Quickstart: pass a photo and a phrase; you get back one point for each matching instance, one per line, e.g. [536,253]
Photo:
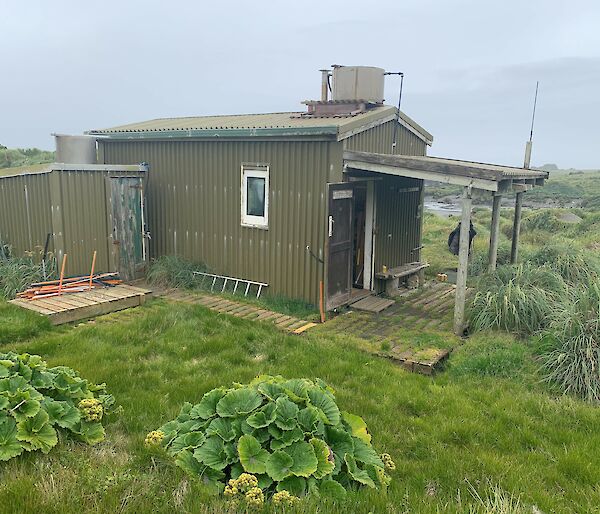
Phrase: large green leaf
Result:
[308,418]
[358,426]
[91,432]
[212,453]
[221,427]
[25,409]
[341,443]
[286,413]
[305,460]
[279,465]
[9,445]
[293,485]
[3,403]
[186,441]
[186,461]
[366,454]
[61,413]
[359,475]
[325,459]
[252,456]
[263,417]
[36,433]
[286,438]
[332,489]
[296,389]
[207,408]
[238,401]
[271,390]
[326,404]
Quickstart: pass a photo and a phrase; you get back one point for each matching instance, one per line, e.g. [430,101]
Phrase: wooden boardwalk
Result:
[238,309]
[85,304]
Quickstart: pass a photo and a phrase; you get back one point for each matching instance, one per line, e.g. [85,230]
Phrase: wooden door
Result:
[340,244]
[129,255]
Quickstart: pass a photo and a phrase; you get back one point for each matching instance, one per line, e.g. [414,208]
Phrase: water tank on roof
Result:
[75,149]
[358,83]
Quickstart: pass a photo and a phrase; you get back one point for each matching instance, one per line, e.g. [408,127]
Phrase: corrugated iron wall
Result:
[193,206]
[71,205]
[379,140]
[398,220]
[25,217]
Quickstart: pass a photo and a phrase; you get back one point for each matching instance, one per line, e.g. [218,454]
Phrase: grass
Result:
[18,324]
[463,441]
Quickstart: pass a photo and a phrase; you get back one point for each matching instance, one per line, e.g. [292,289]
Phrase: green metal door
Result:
[128,226]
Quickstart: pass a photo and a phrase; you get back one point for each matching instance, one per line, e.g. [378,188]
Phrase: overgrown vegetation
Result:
[273,438]
[36,400]
[17,273]
[492,428]
[13,157]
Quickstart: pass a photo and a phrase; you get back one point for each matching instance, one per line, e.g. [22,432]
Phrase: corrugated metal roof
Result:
[25,170]
[281,123]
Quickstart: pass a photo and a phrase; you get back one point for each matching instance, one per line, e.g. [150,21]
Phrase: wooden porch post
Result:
[463,264]
[514,252]
[494,230]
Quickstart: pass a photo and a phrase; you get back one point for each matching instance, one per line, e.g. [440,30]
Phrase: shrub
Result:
[572,359]
[270,436]
[479,263]
[174,271]
[541,219]
[573,264]
[36,400]
[516,298]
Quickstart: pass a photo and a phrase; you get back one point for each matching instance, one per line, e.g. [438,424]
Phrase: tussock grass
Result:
[572,360]
[174,271]
[517,299]
[570,262]
[17,273]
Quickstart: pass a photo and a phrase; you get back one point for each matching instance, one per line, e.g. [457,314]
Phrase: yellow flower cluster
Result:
[255,498]
[285,499]
[387,460]
[91,408]
[154,438]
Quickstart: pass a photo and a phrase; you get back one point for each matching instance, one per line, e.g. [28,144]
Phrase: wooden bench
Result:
[393,276]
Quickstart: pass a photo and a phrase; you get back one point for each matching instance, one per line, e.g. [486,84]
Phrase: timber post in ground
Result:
[514,252]
[494,230]
[463,264]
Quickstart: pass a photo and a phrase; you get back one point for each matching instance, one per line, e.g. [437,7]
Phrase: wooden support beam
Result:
[494,233]
[514,252]
[463,264]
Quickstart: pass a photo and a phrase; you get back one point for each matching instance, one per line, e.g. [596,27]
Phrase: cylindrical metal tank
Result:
[75,149]
[358,83]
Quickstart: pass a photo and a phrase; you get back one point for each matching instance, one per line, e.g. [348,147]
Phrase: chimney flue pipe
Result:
[324,85]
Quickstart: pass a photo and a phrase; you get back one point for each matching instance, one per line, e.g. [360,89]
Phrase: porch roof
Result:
[489,177]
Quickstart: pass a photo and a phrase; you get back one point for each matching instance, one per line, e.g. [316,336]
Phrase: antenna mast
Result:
[527,160]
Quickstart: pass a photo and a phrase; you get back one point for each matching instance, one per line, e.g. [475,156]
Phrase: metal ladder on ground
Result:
[234,280]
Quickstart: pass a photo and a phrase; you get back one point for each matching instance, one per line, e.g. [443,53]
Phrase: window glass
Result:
[256,196]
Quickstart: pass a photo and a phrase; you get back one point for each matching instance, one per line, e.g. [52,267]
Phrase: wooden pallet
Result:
[372,304]
[86,304]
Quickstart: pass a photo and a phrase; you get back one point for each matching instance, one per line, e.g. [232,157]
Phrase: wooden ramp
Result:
[86,304]
[372,304]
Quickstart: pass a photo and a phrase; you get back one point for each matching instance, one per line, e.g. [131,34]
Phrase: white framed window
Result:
[255,195]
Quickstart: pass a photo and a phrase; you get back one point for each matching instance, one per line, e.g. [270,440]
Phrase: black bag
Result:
[454,239]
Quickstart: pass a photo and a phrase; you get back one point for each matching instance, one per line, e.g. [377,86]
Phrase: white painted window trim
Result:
[254,171]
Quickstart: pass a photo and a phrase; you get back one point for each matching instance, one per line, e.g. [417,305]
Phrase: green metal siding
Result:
[193,205]
[398,219]
[25,212]
[71,205]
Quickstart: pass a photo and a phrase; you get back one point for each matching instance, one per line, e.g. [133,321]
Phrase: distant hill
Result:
[13,157]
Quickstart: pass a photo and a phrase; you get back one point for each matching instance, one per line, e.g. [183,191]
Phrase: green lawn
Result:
[484,428]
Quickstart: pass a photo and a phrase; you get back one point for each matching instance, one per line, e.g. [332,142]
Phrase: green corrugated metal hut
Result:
[206,196]
[78,209]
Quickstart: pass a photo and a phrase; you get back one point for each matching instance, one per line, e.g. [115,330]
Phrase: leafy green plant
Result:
[36,400]
[516,298]
[270,436]
[572,357]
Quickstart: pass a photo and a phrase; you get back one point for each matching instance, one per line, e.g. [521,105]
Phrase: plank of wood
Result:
[94,310]
[32,306]
[297,324]
[286,322]
[372,304]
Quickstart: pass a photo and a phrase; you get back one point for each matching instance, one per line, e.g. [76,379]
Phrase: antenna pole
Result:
[527,160]
[399,103]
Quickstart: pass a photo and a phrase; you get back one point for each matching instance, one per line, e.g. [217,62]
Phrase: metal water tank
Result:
[75,149]
[358,83]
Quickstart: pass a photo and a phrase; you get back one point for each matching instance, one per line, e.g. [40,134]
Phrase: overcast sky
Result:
[470,66]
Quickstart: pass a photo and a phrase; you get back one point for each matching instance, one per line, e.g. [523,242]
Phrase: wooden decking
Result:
[238,309]
[86,304]
[372,304]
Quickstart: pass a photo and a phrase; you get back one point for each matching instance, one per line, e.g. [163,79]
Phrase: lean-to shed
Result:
[77,209]
[266,197]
